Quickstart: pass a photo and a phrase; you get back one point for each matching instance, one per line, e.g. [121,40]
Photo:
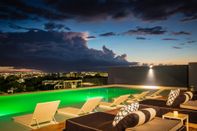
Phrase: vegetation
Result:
[11,84]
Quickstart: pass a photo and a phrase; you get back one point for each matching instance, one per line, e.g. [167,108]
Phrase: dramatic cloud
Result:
[140,38]
[20,10]
[169,39]
[157,30]
[55,51]
[162,9]
[181,33]
[98,9]
[108,34]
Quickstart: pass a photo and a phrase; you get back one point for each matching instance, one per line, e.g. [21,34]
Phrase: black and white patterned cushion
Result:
[172,96]
[143,116]
[179,100]
[188,96]
[136,118]
[124,111]
[182,98]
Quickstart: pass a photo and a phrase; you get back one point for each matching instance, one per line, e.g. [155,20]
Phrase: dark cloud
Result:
[54,26]
[121,15]
[181,33]
[162,9]
[20,10]
[190,18]
[191,41]
[140,38]
[188,42]
[176,47]
[91,37]
[55,51]
[108,34]
[67,28]
[169,39]
[91,10]
[13,26]
[98,9]
[17,27]
[157,30]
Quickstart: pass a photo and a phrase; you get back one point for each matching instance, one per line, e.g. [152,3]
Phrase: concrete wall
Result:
[193,75]
[158,75]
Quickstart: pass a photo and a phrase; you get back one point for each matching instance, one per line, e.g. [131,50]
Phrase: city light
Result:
[151,66]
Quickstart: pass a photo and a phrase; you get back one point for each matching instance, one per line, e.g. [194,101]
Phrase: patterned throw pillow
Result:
[143,116]
[172,96]
[188,96]
[124,111]
[136,118]
[179,100]
[182,98]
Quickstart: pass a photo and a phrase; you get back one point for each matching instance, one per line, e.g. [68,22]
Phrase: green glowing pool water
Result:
[25,103]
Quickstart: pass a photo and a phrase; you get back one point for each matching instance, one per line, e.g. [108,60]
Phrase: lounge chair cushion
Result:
[189,94]
[163,108]
[179,100]
[136,118]
[158,124]
[182,98]
[190,105]
[98,121]
[124,111]
[172,96]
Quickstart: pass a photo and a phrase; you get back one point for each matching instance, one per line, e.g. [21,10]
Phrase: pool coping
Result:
[103,86]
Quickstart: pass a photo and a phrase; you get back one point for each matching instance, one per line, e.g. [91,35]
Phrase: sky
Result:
[85,35]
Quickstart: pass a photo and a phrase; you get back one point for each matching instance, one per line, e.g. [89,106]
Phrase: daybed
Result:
[101,121]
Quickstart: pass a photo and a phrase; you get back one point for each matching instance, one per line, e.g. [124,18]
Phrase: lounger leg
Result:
[187,124]
[96,109]
[38,126]
[54,120]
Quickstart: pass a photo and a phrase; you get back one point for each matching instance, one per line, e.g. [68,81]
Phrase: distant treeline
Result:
[14,84]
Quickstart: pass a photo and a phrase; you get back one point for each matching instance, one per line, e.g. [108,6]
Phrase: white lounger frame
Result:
[42,115]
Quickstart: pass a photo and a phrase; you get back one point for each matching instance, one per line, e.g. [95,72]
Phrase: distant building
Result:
[62,84]
[20,80]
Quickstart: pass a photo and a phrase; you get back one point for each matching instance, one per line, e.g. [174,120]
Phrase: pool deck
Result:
[61,119]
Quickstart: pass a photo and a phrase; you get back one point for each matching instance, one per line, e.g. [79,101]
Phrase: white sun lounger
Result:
[155,95]
[88,107]
[137,97]
[43,115]
[113,105]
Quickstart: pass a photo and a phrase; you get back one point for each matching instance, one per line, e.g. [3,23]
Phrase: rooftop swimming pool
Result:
[18,104]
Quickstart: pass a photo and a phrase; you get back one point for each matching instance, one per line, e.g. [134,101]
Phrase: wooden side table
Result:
[180,116]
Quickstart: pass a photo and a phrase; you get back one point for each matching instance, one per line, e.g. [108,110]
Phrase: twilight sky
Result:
[80,35]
